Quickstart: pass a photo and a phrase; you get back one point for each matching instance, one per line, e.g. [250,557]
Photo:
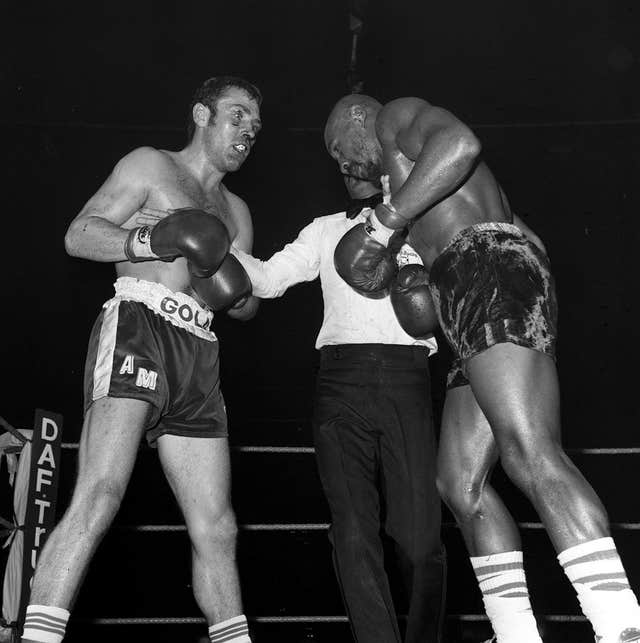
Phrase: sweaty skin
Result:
[409,131]
[450,188]
[440,185]
[148,184]
[145,186]
[414,133]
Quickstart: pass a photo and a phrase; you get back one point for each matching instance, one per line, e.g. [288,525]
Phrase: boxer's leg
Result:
[517,389]
[466,457]
[198,470]
[109,443]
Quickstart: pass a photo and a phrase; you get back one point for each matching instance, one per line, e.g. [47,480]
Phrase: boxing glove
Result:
[190,233]
[364,263]
[411,301]
[229,287]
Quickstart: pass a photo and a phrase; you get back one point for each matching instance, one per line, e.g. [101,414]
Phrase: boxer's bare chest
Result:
[424,231]
[179,189]
[171,189]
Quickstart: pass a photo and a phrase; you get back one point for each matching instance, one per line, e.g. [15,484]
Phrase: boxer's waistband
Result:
[176,307]
[479,228]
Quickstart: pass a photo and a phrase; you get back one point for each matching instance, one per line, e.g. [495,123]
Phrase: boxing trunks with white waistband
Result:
[152,344]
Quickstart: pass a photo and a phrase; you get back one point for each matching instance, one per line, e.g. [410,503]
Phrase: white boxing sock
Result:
[233,630]
[506,597]
[596,573]
[45,623]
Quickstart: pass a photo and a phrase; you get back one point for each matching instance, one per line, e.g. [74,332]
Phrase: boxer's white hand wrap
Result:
[377,230]
[137,247]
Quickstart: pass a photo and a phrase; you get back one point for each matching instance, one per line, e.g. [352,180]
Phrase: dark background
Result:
[552,92]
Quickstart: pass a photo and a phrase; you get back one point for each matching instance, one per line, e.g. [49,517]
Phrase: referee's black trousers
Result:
[376,455]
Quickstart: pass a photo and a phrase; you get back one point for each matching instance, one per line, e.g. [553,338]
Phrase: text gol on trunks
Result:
[185,312]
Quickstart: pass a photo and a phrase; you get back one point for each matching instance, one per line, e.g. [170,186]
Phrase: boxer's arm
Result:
[244,240]
[96,232]
[298,261]
[444,151]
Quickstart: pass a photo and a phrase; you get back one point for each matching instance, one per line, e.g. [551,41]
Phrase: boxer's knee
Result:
[94,506]
[216,528]
[532,464]
[461,492]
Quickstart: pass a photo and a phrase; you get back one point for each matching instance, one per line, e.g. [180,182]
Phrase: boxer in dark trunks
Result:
[167,221]
[495,301]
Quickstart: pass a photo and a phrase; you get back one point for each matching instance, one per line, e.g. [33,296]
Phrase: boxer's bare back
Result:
[401,126]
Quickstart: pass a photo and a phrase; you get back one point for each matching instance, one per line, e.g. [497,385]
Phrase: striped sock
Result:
[45,623]
[233,630]
[596,573]
[506,597]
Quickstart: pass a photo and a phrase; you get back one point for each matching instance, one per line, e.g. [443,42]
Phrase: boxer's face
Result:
[359,189]
[355,149]
[230,135]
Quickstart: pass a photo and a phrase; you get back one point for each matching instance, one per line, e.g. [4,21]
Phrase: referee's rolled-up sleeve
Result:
[298,261]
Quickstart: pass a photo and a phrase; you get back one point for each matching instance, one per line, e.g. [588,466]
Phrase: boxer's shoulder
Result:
[145,162]
[397,115]
[147,154]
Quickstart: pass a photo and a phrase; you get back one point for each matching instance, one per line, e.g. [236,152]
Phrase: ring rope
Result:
[631,526]
[274,449]
[195,620]
[618,526]
[556,618]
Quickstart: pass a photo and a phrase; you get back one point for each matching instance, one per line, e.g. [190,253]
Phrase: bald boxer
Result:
[495,299]
[166,221]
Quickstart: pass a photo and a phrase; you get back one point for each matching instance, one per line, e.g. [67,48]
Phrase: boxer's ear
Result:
[358,114]
[201,114]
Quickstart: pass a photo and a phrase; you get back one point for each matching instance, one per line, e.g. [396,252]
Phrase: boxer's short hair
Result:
[210,92]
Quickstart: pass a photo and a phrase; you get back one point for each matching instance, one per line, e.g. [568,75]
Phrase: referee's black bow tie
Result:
[355,206]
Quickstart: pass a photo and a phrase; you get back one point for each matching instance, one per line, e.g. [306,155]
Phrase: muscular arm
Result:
[244,241]
[444,151]
[96,232]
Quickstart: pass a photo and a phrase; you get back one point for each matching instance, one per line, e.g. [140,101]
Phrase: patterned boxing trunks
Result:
[150,343]
[491,285]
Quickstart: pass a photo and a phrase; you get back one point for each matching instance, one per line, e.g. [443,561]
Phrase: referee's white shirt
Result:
[349,318]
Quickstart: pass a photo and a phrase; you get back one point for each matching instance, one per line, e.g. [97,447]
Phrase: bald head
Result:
[350,137]
[357,108]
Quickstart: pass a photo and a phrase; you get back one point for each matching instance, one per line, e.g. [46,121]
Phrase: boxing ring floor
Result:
[138,586]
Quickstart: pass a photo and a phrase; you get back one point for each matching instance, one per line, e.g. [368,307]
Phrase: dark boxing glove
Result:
[190,233]
[227,288]
[364,263]
[411,301]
